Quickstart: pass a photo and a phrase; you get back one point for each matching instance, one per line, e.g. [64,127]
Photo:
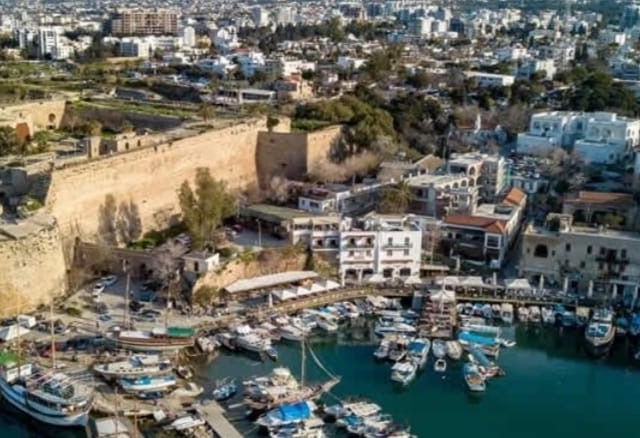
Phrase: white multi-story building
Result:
[260,16]
[491,79]
[250,63]
[284,15]
[386,248]
[511,53]
[489,172]
[220,65]
[599,137]
[189,36]
[50,43]
[281,67]
[531,66]
[346,200]
[439,195]
[134,47]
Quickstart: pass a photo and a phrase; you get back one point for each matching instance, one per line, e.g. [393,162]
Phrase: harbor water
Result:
[551,389]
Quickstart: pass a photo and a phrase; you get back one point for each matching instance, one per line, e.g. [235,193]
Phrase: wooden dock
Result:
[213,414]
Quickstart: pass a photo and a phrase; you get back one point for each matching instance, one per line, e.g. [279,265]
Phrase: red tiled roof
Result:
[514,197]
[489,224]
[600,197]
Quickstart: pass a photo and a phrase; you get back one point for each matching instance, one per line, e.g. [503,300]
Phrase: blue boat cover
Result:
[295,412]
[480,357]
[416,347]
[476,339]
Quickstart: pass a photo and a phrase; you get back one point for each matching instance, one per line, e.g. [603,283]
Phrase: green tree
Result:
[94,128]
[396,199]
[41,141]
[272,122]
[9,141]
[204,207]
[206,112]
[335,30]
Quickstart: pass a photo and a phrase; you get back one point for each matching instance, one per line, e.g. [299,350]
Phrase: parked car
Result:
[102,308]
[97,289]
[151,312]
[109,280]
[135,306]
[105,317]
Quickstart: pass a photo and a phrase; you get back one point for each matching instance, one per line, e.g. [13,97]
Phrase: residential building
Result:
[384,249]
[189,36]
[596,207]
[260,16]
[284,15]
[489,172]
[599,137]
[491,79]
[530,66]
[511,53]
[134,47]
[346,200]
[50,43]
[232,96]
[199,263]
[561,251]
[281,67]
[487,235]
[293,88]
[320,233]
[145,22]
[442,194]
[250,63]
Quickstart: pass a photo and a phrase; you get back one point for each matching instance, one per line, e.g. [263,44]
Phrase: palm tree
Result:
[396,200]
[206,112]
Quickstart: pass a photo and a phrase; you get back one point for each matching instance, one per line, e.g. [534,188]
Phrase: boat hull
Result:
[599,347]
[61,420]
[150,347]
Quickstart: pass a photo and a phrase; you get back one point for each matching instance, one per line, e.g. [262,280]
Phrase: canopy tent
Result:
[283,295]
[12,332]
[331,285]
[317,287]
[472,281]
[374,278]
[517,284]
[301,291]
[412,280]
[449,280]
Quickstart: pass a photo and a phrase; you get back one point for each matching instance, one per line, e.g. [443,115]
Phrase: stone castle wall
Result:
[37,115]
[150,177]
[33,268]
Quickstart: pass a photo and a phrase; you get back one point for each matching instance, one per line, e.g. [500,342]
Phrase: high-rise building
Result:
[189,36]
[284,15]
[260,16]
[134,22]
[50,43]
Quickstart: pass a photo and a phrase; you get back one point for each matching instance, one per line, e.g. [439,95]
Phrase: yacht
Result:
[600,332]
[205,344]
[418,351]
[291,333]
[359,409]
[185,423]
[496,312]
[252,342]
[147,383]
[326,323]
[548,315]
[48,396]
[439,348]
[403,372]
[135,366]
[523,314]
[397,327]
[157,339]
[473,378]
[535,315]
[382,351]
[506,313]
[454,350]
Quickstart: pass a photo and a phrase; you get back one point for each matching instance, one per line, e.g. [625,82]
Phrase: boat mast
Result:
[302,362]
[125,318]
[53,335]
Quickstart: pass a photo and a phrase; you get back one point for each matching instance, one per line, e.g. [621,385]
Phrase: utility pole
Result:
[53,336]
[125,317]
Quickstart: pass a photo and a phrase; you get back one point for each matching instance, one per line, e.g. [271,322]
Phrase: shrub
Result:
[73,311]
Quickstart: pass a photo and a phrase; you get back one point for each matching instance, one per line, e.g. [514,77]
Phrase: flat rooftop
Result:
[427,180]
[270,280]
[273,213]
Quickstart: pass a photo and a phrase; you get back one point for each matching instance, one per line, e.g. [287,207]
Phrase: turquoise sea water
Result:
[552,389]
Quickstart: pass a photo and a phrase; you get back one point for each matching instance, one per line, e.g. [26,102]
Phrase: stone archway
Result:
[23,132]
[52,121]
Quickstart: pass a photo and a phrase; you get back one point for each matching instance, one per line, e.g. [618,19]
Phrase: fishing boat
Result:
[439,348]
[291,333]
[157,339]
[478,309]
[418,351]
[227,340]
[496,312]
[568,319]
[535,315]
[454,350]
[506,313]
[189,390]
[47,396]
[134,366]
[185,423]
[397,327]
[382,351]
[440,366]
[310,428]
[398,348]
[487,311]
[523,314]
[287,414]
[148,383]
[225,390]
[489,345]
[487,367]
[252,342]
[184,372]
[359,409]
[548,316]
[473,378]
[326,323]
[600,332]
[205,344]
[403,372]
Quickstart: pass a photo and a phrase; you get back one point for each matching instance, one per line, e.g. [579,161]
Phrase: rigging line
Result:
[317,361]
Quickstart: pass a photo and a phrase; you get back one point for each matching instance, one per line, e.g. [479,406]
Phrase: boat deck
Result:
[212,413]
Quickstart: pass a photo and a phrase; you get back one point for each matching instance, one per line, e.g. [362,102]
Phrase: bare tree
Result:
[356,165]
[107,221]
[128,223]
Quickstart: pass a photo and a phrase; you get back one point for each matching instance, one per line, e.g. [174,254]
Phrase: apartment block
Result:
[145,22]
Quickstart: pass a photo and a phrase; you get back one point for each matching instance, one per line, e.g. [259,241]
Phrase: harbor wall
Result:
[33,268]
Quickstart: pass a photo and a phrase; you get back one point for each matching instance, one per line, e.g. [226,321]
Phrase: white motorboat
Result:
[535,315]
[382,351]
[253,342]
[147,383]
[418,351]
[523,314]
[487,311]
[403,372]
[205,344]
[496,312]
[359,409]
[440,366]
[185,423]
[506,313]
[135,366]
[454,349]
[397,327]
[473,377]
[47,396]
[325,323]
[600,332]
[157,339]
[291,333]
[548,315]
[439,348]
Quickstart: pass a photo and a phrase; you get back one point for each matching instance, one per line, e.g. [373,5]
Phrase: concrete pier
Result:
[212,413]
